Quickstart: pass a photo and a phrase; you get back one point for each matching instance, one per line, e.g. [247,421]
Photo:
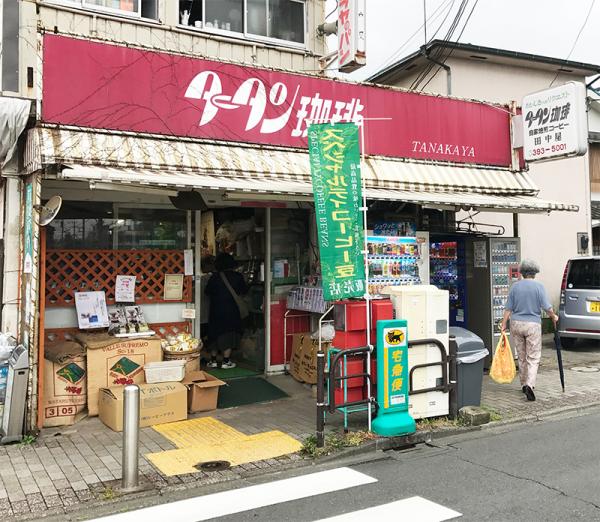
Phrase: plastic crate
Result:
[165,371]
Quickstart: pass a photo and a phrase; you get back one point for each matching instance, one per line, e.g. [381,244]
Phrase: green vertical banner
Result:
[335,170]
[28,230]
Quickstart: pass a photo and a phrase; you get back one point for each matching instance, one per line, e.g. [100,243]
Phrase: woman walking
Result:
[526,300]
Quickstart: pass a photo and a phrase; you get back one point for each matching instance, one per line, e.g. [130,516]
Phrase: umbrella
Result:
[557,346]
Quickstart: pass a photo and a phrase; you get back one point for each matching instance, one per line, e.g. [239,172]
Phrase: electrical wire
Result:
[452,50]
[587,17]
[396,54]
[438,54]
[337,4]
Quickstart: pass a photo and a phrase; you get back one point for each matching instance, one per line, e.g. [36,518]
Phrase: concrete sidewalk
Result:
[66,469]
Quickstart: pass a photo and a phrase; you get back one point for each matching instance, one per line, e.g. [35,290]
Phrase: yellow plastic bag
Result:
[503,368]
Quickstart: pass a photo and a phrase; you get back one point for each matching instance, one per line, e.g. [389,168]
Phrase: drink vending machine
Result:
[492,268]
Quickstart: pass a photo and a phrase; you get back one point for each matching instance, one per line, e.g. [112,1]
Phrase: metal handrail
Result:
[446,386]
[332,378]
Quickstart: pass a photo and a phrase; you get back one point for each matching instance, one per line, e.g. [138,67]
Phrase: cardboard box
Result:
[116,361]
[65,391]
[303,363]
[159,403]
[203,391]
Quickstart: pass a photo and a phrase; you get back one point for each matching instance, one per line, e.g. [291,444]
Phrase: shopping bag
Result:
[503,369]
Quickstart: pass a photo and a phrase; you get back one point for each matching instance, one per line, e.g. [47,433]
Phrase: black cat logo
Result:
[394,337]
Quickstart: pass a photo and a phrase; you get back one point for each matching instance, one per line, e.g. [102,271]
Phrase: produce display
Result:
[183,342]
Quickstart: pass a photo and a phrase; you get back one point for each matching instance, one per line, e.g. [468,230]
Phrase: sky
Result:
[543,27]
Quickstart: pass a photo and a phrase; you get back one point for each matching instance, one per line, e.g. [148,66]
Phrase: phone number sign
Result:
[555,123]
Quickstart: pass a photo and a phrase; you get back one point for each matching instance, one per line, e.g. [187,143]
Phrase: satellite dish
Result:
[49,210]
[188,200]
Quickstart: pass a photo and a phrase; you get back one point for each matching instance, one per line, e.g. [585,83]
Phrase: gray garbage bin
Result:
[471,354]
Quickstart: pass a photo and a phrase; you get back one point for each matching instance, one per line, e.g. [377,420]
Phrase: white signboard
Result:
[125,289]
[351,32]
[555,123]
[91,310]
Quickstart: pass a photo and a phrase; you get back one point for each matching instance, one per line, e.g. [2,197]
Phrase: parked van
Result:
[579,311]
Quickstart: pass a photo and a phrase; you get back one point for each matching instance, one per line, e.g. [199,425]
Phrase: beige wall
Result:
[549,239]
[164,35]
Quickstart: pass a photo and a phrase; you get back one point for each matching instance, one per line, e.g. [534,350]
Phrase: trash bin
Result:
[471,354]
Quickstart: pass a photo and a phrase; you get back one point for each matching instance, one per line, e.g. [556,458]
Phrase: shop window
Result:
[138,8]
[87,225]
[277,20]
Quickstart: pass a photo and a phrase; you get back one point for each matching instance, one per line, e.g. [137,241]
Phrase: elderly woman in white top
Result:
[526,300]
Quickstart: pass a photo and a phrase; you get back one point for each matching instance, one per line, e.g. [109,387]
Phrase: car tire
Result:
[568,342]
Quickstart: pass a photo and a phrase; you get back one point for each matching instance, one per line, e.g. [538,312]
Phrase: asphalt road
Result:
[543,471]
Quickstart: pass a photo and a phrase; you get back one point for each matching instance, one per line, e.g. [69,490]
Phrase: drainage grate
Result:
[213,465]
[585,369]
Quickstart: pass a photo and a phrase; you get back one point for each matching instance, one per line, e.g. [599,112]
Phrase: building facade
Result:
[500,76]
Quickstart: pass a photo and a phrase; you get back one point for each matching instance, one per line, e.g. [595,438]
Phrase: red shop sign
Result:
[98,85]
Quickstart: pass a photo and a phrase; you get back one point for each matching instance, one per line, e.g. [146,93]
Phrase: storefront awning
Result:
[146,161]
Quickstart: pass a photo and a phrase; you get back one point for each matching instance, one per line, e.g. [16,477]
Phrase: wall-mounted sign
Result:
[555,123]
[28,230]
[125,289]
[205,99]
[173,290]
[352,33]
[91,310]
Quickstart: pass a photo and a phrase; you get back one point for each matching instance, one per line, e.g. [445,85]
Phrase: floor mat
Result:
[232,373]
[207,439]
[250,390]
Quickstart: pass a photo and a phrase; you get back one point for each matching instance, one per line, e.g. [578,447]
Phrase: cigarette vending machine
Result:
[492,267]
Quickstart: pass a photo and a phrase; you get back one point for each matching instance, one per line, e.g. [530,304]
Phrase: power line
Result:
[437,54]
[458,40]
[587,17]
[433,17]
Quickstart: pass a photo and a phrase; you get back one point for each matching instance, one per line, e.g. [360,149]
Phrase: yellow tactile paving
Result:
[196,432]
[237,451]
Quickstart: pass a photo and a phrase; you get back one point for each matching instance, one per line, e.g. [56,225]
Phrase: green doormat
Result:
[232,373]
[250,390]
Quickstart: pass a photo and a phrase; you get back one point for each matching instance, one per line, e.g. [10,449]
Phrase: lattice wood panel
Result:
[55,335]
[69,271]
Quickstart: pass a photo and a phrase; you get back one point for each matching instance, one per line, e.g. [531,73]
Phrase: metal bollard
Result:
[452,378]
[131,436]
[320,399]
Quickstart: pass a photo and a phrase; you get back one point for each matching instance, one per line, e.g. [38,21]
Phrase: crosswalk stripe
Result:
[251,497]
[414,509]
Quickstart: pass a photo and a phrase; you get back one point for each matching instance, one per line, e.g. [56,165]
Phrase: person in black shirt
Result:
[224,319]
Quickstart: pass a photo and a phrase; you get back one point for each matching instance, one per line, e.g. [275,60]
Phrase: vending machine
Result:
[447,267]
[392,261]
[492,266]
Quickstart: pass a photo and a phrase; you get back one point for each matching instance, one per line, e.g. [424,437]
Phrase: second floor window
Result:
[282,20]
[137,8]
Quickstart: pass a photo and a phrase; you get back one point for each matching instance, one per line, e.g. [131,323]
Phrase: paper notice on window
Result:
[173,287]
[91,310]
[480,254]
[188,262]
[125,289]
